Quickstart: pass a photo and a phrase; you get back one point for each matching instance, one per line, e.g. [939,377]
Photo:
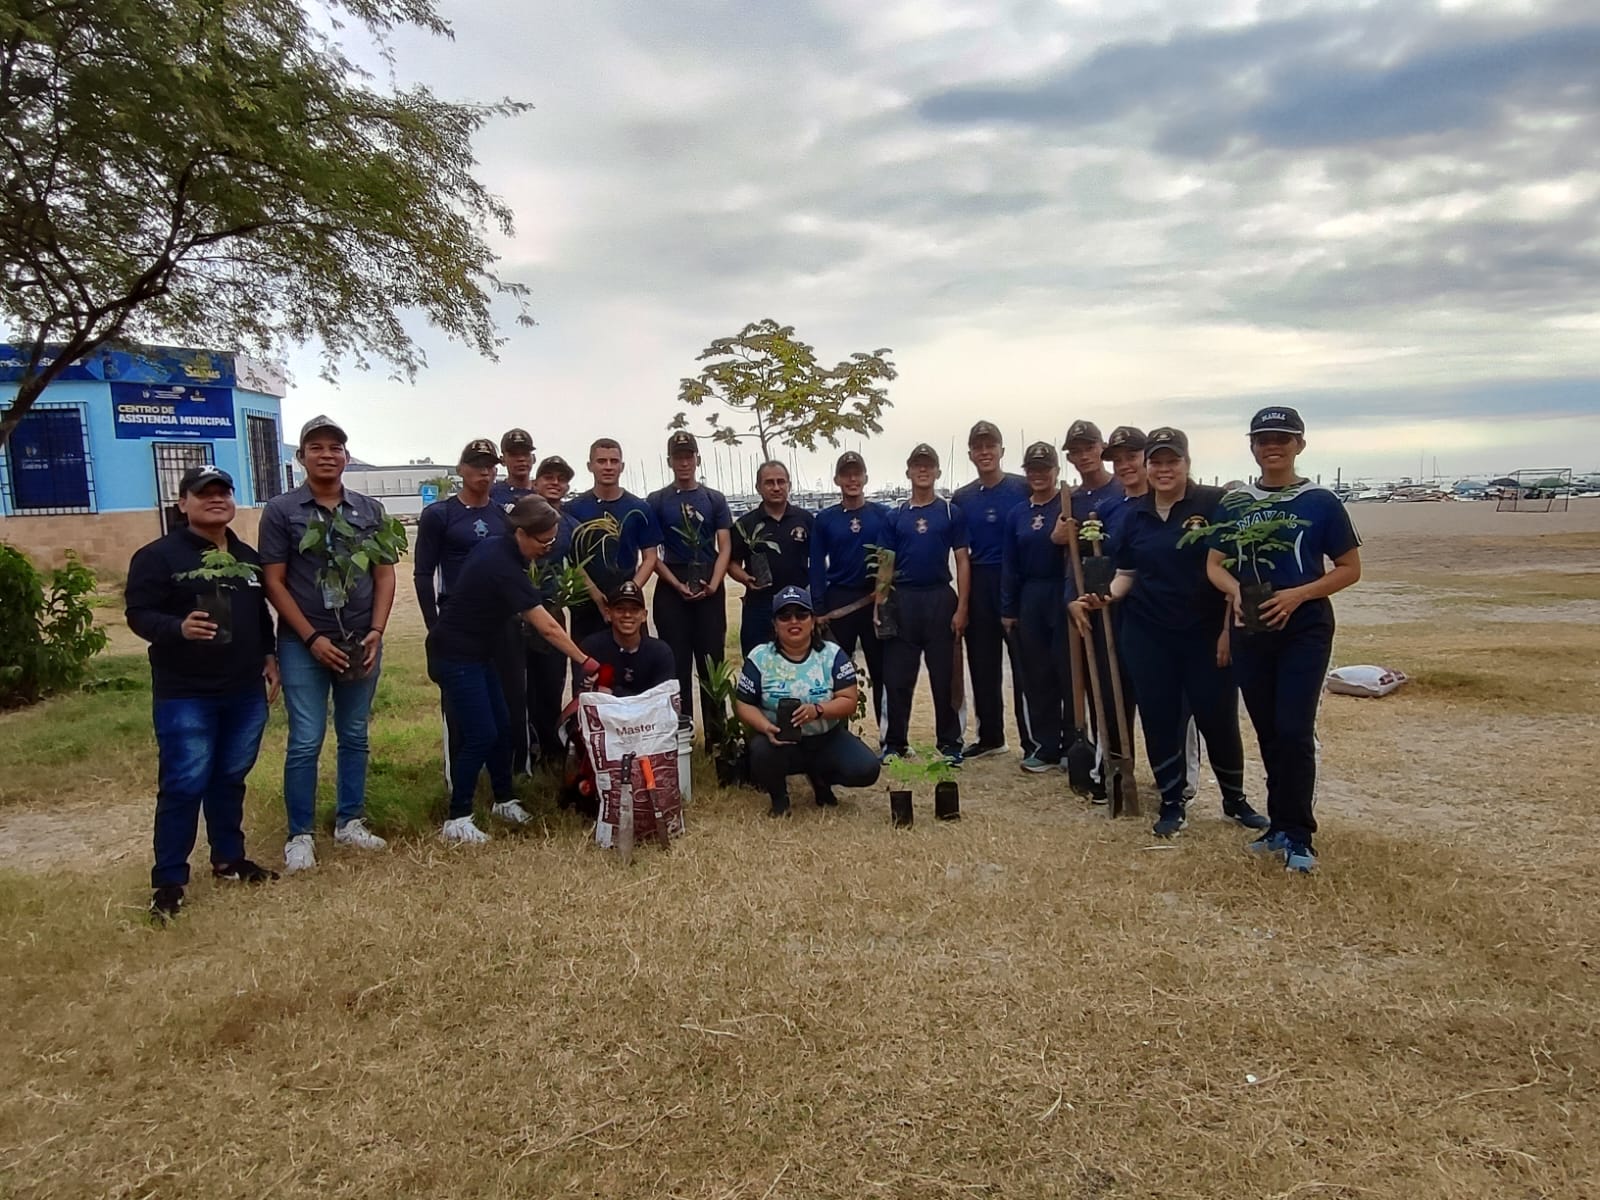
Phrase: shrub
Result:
[46,642]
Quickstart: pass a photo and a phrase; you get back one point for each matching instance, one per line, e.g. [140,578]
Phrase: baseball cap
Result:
[792,597]
[1167,438]
[1124,437]
[1277,419]
[554,464]
[1040,454]
[515,440]
[847,460]
[626,592]
[322,422]
[1081,431]
[922,450]
[478,448]
[196,478]
[682,442]
[985,429]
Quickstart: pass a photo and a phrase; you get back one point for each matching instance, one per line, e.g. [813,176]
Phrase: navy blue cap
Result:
[792,597]
[204,476]
[1277,419]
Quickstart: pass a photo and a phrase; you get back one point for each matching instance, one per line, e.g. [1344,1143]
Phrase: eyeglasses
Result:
[546,541]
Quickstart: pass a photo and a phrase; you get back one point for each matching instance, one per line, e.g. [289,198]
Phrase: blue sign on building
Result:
[429,492]
[148,364]
[172,411]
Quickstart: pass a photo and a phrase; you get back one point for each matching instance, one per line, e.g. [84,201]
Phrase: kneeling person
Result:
[631,662]
[797,664]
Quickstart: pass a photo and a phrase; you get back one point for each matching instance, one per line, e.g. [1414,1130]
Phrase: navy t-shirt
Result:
[1171,590]
[447,532]
[703,508]
[839,541]
[632,671]
[506,496]
[922,538]
[1029,553]
[986,510]
[613,559]
[493,585]
[1326,533]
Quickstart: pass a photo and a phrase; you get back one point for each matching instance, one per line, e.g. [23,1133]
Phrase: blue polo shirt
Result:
[1171,590]
[839,541]
[923,538]
[493,585]
[1029,554]
[703,507]
[986,510]
[1102,502]
[611,560]
[1327,533]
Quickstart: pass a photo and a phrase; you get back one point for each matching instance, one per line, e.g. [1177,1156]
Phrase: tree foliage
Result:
[220,172]
[772,385]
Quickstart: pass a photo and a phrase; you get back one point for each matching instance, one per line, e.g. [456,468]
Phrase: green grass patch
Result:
[103,729]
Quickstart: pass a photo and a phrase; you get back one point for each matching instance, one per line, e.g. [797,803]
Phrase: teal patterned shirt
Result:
[769,676]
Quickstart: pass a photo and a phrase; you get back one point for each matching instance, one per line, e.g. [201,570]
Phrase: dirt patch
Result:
[74,837]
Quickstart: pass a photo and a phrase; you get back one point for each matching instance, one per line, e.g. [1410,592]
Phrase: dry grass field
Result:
[1033,1002]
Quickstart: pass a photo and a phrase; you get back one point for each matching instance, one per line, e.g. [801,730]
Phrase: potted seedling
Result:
[761,547]
[1098,570]
[730,754]
[599,538]
[345,556]
[880,566]
[224,572]
[1252,531]
[700,544]
[563,586]
[926,766]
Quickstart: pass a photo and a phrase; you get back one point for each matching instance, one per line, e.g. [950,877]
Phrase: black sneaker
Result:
[780,808]
[243,871]
[1171,820]
[984,749]
[825,797]
[1240,811]
[166,903]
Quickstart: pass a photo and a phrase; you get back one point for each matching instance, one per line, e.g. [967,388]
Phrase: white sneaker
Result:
[299,853]
[462,830]
[355,833]
[512,811]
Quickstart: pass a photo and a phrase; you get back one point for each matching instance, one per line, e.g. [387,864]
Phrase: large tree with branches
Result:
[773,384]
[221,172]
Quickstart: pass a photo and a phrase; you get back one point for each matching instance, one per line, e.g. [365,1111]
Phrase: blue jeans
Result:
[475,704]
[206,746]
[306,684]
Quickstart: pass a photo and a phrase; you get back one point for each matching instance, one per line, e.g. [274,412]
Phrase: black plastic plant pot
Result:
[356,653]
[888,625]
[1097,575]
[947,801]
[1251,597]
[732,769]
[900,808]
[788,731]
[218,607]
[761,571]
[697,576]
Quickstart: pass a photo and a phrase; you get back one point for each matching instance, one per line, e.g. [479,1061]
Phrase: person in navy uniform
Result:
[926,533]
[987,502]
[630,553]
[780,533]
[798,663]
[631,662]
[462,646]
[516,456]
[210,694]
[547,669]
[1031,578]
[842,538]
[1281,670]
[692,613]
[1173,634]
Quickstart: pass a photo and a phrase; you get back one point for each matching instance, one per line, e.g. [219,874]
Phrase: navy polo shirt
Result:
[1030,555]
[839,541]
[493,585]
[1327,533]
[922,537]
[1171,590]
[502,493]
[1102,502]
[633,672]
[986,510]
[612,560]
[701,506]
[791,563]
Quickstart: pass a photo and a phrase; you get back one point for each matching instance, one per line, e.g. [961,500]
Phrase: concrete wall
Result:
[106,541]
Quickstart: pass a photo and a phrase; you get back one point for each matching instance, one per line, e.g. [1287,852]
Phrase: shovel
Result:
[1120,785]
[1121,791]
[1080,754]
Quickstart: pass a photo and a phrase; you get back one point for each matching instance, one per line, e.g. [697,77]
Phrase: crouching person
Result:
[493,585]
[212,674]
[798,665]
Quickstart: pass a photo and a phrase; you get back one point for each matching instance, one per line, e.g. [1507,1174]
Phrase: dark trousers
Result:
[547,685]
[1280,675]
[697,631]
[986,638]
[205,747]
[1041,634]
[856,629]
[511,668]
[837,757]
[476,708]
[1176,673]
[755,620]
[925,614]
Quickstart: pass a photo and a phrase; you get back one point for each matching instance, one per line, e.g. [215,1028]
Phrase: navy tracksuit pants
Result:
[697,632]
[547,670]
[1176,675]
[1280,674]
[755,620]
[925,614]
[856,629]
[985,639]
[1047,684]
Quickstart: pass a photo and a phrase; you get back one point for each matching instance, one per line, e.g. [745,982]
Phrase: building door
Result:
[172,460]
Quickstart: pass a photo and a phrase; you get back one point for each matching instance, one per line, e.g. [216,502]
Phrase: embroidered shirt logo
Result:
[479,528]
[855,524]
[922,524]
[1037,522]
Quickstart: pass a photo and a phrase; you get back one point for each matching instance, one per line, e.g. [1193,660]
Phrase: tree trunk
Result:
[32,387]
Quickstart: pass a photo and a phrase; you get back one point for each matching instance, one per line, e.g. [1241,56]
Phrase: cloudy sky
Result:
[1138,211]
